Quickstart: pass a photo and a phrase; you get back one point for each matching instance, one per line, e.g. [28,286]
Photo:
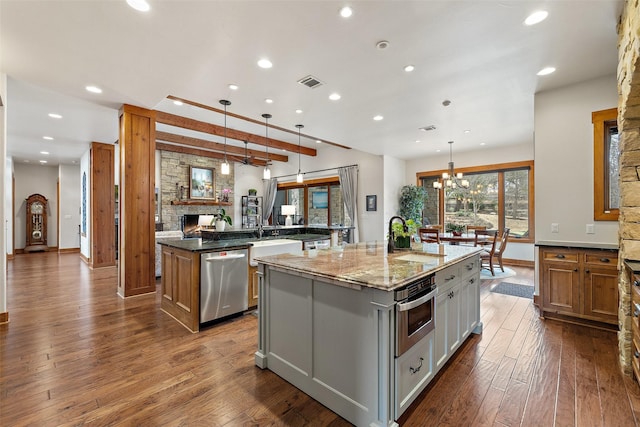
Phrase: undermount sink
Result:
[273,247]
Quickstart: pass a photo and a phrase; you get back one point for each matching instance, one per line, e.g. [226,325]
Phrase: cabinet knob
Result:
[559,256]
[636,282]
[636,354]
[575,269]
[605,260]
[453,276]
[586,271]
[636,312]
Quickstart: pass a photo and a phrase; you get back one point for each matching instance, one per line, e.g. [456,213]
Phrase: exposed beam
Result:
[248,119]
[216,146]
[205,153]
[197,125]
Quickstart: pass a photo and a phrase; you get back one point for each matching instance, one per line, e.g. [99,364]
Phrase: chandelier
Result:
[450,178]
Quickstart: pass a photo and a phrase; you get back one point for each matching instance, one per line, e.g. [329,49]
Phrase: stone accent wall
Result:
[174,168]
[629,129]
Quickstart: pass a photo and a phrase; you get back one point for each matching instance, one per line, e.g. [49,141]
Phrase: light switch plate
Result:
[555,228]
[591,229]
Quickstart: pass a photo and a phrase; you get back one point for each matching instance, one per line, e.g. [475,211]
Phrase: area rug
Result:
[486,274]
[514,289]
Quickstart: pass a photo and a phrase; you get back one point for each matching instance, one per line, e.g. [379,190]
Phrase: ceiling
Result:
[477,54]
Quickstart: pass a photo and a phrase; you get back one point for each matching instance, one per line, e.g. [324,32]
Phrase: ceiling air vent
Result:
[310,81]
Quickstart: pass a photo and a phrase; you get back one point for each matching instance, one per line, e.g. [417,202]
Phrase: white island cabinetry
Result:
[334,338]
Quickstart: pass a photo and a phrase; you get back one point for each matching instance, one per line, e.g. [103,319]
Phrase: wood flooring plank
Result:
[587,395]
[566,400]
[513,404]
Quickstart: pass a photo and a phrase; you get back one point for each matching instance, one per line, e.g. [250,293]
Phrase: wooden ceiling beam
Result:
[216,146]
[205,153]
[248,119]
[200,126]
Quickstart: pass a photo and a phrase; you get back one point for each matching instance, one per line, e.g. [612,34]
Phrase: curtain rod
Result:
[319,170]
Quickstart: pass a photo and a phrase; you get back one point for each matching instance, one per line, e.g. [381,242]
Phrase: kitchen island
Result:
[328,321]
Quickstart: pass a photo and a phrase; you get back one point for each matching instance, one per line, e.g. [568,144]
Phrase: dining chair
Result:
[487,254]
[429,235]
[499,251]
[483,237]
[473,228]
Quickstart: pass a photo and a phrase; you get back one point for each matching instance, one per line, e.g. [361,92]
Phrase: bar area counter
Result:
[328,322]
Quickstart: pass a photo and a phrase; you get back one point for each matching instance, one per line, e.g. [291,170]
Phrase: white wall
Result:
[39,179]
[564,161]
[85,240]
[69,221]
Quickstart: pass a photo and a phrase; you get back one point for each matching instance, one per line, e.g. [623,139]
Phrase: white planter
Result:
[220,225]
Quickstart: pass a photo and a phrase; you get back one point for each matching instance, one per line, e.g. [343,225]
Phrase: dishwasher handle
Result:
[224,257]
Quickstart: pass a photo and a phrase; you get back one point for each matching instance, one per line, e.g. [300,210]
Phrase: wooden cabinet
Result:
[253,286]
[181,286]
[36,221]
[579,283]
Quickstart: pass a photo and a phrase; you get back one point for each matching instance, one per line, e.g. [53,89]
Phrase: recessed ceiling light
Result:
[536,17]
[269,101]
[546,71]
[467,131]
[93,89]
[55,116]
[427,128]
[417,140]
[378,118]
[298,111]
[483,143]
[44,152]
[43,161]
[48,138]
[382,44]
[233,87]
[334,96]
[409,68]
[438,150]
[139,5]
[346,12]
[264,63]
[318,141]
[178,103]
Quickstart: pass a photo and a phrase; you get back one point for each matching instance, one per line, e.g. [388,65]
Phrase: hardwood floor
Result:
[74,353]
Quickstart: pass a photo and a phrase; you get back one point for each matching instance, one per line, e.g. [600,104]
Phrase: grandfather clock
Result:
[36,223]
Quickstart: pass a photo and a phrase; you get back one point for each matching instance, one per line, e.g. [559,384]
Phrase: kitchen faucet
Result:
[391,245]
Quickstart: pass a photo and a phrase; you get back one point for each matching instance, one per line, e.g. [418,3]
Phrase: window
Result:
[318,202]
[498,197]
[606,169]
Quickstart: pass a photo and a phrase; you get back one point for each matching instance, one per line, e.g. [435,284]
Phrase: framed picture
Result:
[201,184]
[372,203]
[320,200]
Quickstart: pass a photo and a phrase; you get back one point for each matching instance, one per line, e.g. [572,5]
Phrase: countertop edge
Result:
[584,245]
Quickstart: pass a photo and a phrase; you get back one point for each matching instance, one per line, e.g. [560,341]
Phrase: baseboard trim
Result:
[68,250]
[518,262]
[85,259]
[10,257]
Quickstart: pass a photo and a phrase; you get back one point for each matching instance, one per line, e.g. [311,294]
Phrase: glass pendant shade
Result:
[224,168]
[266,174]
[299,178]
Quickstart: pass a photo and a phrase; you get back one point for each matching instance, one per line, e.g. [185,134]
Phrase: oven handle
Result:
[404,306]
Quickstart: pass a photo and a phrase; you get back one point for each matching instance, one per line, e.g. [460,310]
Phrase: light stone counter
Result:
[369,264]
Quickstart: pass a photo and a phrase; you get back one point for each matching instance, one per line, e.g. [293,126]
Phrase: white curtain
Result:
[349,185]
[270,190]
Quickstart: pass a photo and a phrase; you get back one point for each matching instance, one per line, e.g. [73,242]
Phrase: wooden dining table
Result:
[463,238]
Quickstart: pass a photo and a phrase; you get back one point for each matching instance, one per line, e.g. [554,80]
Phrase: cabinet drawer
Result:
[414,370]
[635,351]
[447,277]
[603,259]
[560,256]
[470,266]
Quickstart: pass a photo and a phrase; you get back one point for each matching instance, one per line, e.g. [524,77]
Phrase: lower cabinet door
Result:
[414,370]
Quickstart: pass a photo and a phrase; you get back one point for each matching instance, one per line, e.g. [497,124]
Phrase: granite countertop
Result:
[583,245]
[369,264]
[203,245]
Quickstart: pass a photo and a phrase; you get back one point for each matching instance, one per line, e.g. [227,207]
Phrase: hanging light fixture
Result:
[224,168]
[299,178]
[450,178]
[266,174]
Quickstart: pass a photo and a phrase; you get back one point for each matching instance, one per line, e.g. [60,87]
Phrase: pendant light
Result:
[224,168]
[266,174]
[299,178]
[450,178]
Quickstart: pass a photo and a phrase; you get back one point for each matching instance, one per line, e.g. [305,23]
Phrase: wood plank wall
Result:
[103,226]
[136,207]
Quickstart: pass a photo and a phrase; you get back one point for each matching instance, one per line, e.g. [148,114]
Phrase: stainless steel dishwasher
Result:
[223,284]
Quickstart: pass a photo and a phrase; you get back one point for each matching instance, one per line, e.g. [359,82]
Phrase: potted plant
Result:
[222,219]
[403,238]
[253,191]
[412,200]
[456,229]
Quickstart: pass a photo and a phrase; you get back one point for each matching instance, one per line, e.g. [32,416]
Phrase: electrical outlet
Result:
[555,228]
[591,229]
